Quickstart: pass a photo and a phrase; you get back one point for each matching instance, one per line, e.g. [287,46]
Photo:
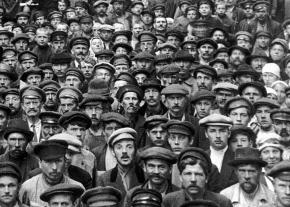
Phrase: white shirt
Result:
[37,128]
[111,161]
[217,157]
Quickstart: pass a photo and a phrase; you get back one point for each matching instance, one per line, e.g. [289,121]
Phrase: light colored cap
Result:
[74,144]
[271,68]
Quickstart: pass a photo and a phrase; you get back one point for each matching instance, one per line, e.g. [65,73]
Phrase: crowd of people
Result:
[144,103]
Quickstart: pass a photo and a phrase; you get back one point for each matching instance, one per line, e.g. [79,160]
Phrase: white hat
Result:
[271,68]
[271,91]
[270,139]
[120,134]
[74,144]
[279,82]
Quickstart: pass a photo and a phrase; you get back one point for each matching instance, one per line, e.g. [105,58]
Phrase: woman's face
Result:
[280,89]
[97,45]
[61,6]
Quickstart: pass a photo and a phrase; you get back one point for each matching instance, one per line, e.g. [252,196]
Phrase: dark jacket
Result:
[179,197]
[100,153]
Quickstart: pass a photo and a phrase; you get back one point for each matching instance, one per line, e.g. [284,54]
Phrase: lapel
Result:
[226,170]
[102,162]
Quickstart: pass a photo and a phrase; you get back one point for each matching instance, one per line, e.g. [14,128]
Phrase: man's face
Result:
[137,29]
[124,152]
[130,102]
[173,40]
[61,200]
[193,179]
[49,129]
[263,117]
[159,13]
[263,42]
[86,26]
[4,40]
[240,116]
[244,41]
[77,131]
[40,20]
[244,78]
[17,143]
[222,96]
[203,107]
[13,102]
[48,74]
[168,79]
[106,35]
[261,14]
[277,52]
[27,64]
[33,79]
[73,81]
[147,19]
[183,64]
[248,176]
[218,136]
[51,98]
[152,96]
[223,56]
[87,69]
[160,24]
[41,38]
[140,77]
[271,155]
[22,21]
[238,141]
[204,81]
[218,35]
[137,9]
[237,57]
[252,94]
[147,46]
[204,9]
[249,12]
[175,102]
[11,61]
[103,74]
[5,81]
[178,142]
[53,170]
[206,51]
[58,45]
[258,64]
[80,51]
[282,190]
[74,26]
[101,10]
[282,128]
[121,68]
[60,69]
[157,135]
[118,7]
[31,106]
[94,111]
[158,171]
[110,127]
[21,45]
[9,188]
[80,11]
[67,104]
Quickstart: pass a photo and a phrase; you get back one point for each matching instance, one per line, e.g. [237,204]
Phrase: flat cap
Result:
[121,134]
[221,61]
[106,66]
[100,195]
[169,69]
[127,46]
[9,168]
[167,45]
[62,58]
[144,56]
[69,92]
[74,144]
[126,33]
[121,59]
[6,32]
[151,83]
[129,88]
[30,28]
[75,116]
[175,89]
[205,69]
[254,84]
[49,85]
[175,33]
[270,139]
[196,153]
[79,40]
[108,53]
[285,23]
[147,36]
[158,153]
[245,69]
[54,14]
[8,71]
[58,35]
[206,41]
[201,95]
[49,150]
[32,92]
[280,114]
[49,117]
[236,47]
[245,33]
[260,4]
[98,2]
[116,117]
[281,170]
[235,130]
[239,102]
[27,55]
[126,76]
[200,203]
[226,86]
[90,99]
[20,36]
[31,71]
[183,55]
[63,188]
[266,102]
[20,126]
[146,197]
[281,42]
[86,19]
[216,120]
[75,72]
[180,127]
[106,27]
[155,120]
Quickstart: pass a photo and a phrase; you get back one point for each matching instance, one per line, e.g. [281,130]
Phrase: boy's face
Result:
[221,9]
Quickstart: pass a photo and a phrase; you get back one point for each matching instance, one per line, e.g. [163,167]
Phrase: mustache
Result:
[124,156]
[284,133]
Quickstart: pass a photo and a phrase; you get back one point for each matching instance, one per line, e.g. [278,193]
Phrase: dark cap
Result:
[49,117]
[106,66]
[75,116]
[224,63]
[144,56]
[239,102]
[180,127]
[125,76]
[158,153]
[115,117]
[86,19]
[99,195]
[27,55]
[261,4]
[206,41]
[175,33]
[69,92]
[236,47]
[196,153]
[129,88]
[200,203]
[63,188]
[108,53]
[128,47]
[281,170]
[79,41]
[61,58]
[32,92]
[31,71]
[205,69]
[75,72]
[147,36]
[168,69]
[154,121]
[7,70]
[235,130]
[126,33]
[175,89]
[247,155]
[19,126]
[201,95]
[266,102]
[54,14]
[9,168]
[245,69]
[49,85]
[50,150]
[21,36]
[183,56]
[58,35]
[151,83]
[257,53]
[254,84]
[90,99]
[146,197]
[280,114]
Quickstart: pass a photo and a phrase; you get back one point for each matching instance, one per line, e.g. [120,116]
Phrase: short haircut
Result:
[192,161]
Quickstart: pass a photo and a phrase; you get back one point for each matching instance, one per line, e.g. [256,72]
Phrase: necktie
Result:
[35,135]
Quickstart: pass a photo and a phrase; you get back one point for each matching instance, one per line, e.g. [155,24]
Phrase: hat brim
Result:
[28,134]
[235,163]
